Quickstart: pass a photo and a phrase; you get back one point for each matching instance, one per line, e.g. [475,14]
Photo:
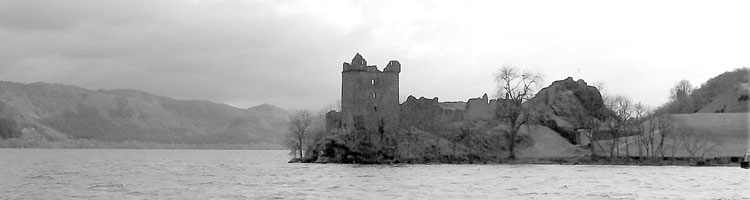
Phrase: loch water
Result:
[245,174]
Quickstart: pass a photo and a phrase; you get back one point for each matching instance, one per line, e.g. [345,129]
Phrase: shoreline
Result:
[585,160]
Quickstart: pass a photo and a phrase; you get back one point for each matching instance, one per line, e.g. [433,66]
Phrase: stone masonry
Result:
[369,98]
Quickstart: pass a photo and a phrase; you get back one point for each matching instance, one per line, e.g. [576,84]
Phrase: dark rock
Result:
[567,105]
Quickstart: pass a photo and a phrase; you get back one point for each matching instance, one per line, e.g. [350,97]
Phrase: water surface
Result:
[222,174]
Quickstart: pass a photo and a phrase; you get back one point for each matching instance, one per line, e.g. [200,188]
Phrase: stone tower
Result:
[369,97]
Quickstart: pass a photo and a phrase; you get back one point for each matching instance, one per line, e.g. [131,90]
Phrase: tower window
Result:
[376,108]
[374,95]
[372,82]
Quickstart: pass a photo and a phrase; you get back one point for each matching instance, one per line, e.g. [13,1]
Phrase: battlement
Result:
[360,64]
[393,66]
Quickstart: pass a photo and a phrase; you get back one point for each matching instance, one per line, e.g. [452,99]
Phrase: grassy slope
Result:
[547,144]
[728,133]
[728,101]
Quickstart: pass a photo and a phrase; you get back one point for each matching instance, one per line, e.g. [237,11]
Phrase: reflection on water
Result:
[214,174]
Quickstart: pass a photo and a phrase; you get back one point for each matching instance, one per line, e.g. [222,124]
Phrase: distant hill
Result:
[55,112]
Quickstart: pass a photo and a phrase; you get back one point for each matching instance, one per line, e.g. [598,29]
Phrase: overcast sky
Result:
[289,53]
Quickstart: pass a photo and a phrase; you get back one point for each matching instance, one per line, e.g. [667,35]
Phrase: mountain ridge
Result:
[57,112]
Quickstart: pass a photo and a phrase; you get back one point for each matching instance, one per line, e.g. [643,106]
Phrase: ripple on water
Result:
[193,174]
[106,185]
[42,177]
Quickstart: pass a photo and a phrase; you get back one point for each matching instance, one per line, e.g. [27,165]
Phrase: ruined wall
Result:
[434,116]
[369,97]
[480,108]
[427,114]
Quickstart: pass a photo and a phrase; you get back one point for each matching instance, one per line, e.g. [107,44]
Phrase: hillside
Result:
[725,93]
[54,112]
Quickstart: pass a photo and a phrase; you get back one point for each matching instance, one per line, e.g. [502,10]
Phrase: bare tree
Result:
[695,144]
[593,124]
[595,134]
[592,135]
[317,129]
[618,125]
[625,114]
[650,129]
[665,127]
[602,87]
[514,88]
[299,125]
[640,114]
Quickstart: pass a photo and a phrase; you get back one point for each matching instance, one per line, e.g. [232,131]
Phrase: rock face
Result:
[567,105]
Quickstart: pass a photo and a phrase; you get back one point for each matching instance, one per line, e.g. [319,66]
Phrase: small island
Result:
[567,122]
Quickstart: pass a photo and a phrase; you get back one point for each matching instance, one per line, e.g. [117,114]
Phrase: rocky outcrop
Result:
[353,147]
[567,105]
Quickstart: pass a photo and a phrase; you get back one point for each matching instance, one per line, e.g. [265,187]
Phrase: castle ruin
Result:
[374,126]
[370,103]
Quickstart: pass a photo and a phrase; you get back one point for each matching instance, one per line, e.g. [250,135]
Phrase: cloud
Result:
[216,51]
[289,52]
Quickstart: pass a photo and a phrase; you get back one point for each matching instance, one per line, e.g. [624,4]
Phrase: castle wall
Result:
[428,115]
[480,108]
[433,116]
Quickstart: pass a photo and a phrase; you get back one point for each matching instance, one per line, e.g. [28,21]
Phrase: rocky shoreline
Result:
[585,160]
